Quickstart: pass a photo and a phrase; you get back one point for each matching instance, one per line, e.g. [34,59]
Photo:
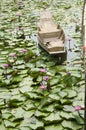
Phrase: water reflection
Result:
[70,46]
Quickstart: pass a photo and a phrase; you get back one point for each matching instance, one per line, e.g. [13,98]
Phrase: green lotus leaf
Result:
[29,105]
[40,114]
[39,79]
[25,84]
[71,125]
[2,59]
[79,118]
[68,108]
[65,101]
[30,65]
[35,70]
[20,67]
[9,124]
[62,94]
[78,103]
[16,79]
[11,129]
[81,96]
[36,124]
[18,113]
[51,72]
[49,64]
[56,89]
[2,83]
[25,89]
[50,108]
[5,52]
[40,63]
[54,81]
[31,122]
[2,127]
[17,98]
[54,97]
[24,128]
[54,127]
[19,62]
[2,103]
[71,93]
[27,115]
[6,115]
[58,107]
[66,115]
[53,117]
[15,101]
[45,103]
[32,95]
[5,95]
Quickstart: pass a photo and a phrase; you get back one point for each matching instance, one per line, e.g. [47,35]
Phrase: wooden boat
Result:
[51,36]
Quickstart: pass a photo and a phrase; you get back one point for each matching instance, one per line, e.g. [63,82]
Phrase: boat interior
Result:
[50,34]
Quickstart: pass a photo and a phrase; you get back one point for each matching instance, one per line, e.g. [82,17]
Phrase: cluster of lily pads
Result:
[36,93]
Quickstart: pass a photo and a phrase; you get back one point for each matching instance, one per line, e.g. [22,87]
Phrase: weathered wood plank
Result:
[51,35]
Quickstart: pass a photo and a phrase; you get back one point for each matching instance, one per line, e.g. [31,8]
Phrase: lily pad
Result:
[71,125]
[53,117]
[54,127]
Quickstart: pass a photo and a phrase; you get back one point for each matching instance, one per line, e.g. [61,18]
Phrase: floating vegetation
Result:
[36,92]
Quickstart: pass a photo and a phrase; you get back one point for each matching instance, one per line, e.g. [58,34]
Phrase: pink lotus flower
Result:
[46,78]
[5,66]
[12,55]
[19,2]
[68,73]
[84,48]
[43,87]
[43,70]
[19,14]
[17,28]
[10,30]
[77,108]
[24,50]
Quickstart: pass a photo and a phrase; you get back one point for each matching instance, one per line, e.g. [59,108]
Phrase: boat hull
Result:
[49,52]
[50,35]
